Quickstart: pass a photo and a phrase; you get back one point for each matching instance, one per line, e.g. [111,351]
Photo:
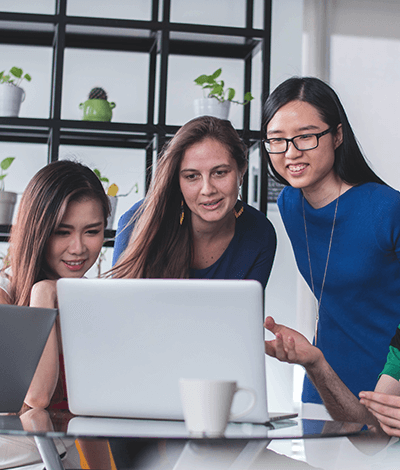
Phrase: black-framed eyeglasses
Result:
[301,142]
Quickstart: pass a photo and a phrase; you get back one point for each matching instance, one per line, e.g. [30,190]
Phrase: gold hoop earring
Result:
[182,215]
[238,209]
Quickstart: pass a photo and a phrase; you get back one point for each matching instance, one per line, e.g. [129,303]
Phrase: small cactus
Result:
[97,94]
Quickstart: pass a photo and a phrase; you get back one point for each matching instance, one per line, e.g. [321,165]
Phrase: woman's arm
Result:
[44,381]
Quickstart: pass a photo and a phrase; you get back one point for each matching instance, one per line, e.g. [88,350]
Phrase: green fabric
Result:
[392,366]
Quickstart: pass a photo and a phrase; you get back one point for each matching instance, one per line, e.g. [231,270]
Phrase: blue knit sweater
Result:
[360,307]
[249,255]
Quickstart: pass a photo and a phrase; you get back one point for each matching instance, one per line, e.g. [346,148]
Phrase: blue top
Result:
[249,255]
[360,306]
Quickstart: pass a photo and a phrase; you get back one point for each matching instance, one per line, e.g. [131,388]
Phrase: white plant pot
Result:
[7,206]
[11,97]
[211,107]
[110,221]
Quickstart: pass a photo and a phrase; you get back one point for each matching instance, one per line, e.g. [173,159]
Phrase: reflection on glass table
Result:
[165,444]
[151,444]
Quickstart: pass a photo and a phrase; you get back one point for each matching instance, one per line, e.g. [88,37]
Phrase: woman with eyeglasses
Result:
[344,225]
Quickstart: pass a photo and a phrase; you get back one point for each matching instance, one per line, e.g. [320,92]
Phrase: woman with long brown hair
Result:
[59,232]
[191,224]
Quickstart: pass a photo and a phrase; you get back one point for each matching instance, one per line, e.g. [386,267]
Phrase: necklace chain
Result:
[318,303]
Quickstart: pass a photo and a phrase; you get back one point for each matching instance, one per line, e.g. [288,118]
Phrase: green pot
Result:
[97,110]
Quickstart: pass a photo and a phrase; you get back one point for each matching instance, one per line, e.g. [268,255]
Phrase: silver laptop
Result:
[128,342]
[23,335]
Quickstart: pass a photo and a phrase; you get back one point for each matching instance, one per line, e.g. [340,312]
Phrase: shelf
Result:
[160,39]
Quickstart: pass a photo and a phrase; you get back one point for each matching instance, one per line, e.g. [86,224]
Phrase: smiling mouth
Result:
[297,168]
[74,263]
[211,204]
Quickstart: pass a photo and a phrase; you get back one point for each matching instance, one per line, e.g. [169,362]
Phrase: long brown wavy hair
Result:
[43,205]
[159,246]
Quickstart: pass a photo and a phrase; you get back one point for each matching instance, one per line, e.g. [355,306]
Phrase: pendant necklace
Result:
[318,302]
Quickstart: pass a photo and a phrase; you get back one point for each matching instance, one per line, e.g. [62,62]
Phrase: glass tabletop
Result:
[39,422]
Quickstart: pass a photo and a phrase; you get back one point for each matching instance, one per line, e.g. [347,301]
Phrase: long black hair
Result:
[350,164]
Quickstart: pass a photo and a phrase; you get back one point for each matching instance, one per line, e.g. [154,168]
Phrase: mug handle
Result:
[250,407]
[112,105]
[23,95]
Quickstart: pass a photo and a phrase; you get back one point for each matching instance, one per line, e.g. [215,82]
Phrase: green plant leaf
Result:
[27,77]
[5,164]
[248,96]
[16,72]
[97,173]
[216,74]
[217,90]
[231,94]
[3,176]
[104,179]
[201,80]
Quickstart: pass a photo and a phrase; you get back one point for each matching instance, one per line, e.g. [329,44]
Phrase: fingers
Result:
[283,351]
[390,431]
[269,324]
[270,348]
[384,398]
[386,409]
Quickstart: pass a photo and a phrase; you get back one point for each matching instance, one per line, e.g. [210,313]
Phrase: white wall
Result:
[365,71]
[280,295]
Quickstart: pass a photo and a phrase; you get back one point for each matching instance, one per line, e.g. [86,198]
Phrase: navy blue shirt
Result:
[249,255]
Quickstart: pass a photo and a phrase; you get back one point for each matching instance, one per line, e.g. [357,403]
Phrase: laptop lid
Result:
[128,342]
[23,335]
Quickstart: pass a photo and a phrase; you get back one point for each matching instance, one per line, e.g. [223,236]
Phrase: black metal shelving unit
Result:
[158,38]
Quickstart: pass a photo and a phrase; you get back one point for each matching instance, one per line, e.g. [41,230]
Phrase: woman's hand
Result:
[291,346]
[385,408]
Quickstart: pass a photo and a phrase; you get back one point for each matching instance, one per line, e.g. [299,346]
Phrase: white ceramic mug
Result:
[207,405]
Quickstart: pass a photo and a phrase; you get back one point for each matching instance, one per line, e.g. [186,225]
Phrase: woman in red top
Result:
[59,232]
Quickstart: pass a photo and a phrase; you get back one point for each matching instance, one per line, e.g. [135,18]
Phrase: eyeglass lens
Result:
[301,142]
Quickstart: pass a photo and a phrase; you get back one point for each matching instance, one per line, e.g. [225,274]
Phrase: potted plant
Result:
[96,107]
[219,98]
[7,199]
[112,191]
[11,94]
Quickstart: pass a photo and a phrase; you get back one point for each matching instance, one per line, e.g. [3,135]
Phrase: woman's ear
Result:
[338,137]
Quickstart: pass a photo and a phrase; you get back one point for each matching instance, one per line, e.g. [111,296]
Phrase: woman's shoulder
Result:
[255,222]
[288,197]
[127,216]
[375,195]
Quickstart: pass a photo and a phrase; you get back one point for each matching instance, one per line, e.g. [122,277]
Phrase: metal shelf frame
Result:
[158,38]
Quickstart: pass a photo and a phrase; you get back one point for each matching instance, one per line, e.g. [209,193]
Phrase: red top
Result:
[59,400]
